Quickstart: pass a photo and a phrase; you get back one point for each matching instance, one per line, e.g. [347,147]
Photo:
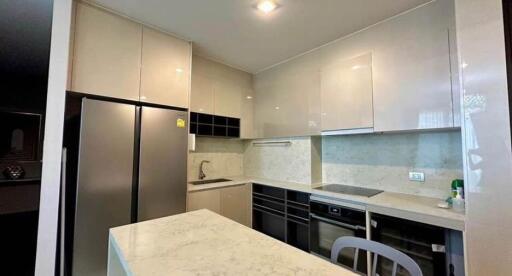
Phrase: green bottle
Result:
[458,188]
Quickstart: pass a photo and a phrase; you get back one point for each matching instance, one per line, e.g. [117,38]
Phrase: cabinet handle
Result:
[346,225]
[273,143]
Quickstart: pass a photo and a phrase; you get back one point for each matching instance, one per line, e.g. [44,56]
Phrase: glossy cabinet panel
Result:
[346,94]
[107,54]
[411,75]
[412,84]
[227,99]
[235,203]
[247,114]
[201,95]
[165,72]
[218,89]
[486,136]
[287,99]
[207,199]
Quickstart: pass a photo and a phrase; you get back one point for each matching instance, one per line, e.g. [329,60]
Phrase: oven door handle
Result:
[346,225]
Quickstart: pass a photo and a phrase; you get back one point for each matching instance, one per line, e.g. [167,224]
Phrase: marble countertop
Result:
[205,243]
[411,207]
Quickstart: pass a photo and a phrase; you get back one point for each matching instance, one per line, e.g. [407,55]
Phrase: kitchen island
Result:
[205,243]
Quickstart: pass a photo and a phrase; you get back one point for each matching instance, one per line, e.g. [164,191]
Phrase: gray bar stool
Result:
[378,249]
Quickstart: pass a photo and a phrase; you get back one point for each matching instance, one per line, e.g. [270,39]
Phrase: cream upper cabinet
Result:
[106,54]
[165,73]
[287,99]
[221,90]
[201,95]
[413,88]
[227,99]
[346,94]
[412,78]
[247,114]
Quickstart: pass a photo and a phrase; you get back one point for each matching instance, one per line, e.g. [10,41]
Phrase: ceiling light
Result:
[277,107]
[179,70]
[266,6]
[248,97]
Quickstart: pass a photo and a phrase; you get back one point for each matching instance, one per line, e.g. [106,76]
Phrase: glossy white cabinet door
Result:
[412,82]
[227,99]
[165,74]
[346,92]
[201,95]
[107,53]
[247,119]
[287,100]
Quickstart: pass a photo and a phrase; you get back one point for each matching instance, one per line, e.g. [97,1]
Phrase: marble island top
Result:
[411,207]
[205,243]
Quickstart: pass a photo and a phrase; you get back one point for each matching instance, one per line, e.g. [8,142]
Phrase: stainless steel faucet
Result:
[201,172]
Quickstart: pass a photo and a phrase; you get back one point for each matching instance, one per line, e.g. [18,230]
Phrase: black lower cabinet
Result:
[269,223]
[438,251]
[282,214]
[298,234]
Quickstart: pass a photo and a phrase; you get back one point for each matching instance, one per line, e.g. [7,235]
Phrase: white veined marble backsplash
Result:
[381,161]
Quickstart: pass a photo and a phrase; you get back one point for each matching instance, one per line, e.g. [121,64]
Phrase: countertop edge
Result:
[418,216]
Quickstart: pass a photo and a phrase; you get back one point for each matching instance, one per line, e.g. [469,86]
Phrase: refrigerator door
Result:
[104,184]
[163,163]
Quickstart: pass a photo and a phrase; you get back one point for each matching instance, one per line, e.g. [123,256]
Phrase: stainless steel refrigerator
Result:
[125,163]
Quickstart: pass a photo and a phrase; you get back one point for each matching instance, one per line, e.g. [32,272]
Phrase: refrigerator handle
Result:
[63,210]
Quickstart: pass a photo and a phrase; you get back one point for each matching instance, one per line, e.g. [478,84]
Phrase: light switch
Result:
[417,176]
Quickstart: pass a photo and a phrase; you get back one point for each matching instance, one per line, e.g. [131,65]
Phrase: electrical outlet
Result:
[417,176]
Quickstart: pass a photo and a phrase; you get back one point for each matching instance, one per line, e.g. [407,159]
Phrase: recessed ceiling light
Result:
[266,6]
[248,97]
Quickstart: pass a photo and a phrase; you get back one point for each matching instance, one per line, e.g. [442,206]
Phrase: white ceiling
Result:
[235,33]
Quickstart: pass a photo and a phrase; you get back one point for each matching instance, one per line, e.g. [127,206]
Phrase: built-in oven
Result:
[329,221]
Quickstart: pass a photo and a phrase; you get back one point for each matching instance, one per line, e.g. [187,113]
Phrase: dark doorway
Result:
[25,33]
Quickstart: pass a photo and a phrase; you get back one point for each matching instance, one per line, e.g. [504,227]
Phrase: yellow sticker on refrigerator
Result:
[180,123]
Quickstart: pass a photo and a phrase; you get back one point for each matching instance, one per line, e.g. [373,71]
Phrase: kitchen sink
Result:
[209,181]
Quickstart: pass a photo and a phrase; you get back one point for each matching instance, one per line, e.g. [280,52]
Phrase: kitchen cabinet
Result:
[106,54]
[227,99]
[434,249]
[287,100]
[201,95]
[205,199]
[282,214]
[220,90]
[413,87]
[214,126]
[233,202]
[165,72]
[346,94]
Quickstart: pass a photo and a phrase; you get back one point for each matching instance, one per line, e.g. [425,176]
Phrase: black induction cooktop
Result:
[350,190]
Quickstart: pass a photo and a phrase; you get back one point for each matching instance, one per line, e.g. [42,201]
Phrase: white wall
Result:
[50,184]
[486,137]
